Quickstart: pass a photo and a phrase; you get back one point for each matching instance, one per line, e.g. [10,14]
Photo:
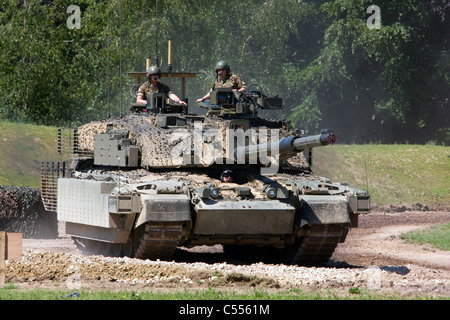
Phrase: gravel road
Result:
[372,258]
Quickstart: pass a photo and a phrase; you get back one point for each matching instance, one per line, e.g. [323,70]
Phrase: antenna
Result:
[156,35]
[120,56]
[108,115]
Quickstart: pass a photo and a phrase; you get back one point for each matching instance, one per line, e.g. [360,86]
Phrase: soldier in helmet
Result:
[225,80]
[153,85]
[226,176]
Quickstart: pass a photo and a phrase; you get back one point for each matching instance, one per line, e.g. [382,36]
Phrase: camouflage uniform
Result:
[231,81]
[148,88]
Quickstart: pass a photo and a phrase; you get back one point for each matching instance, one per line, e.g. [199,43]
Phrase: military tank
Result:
[146,183]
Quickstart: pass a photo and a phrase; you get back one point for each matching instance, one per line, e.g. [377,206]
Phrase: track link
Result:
[318,245]
[159,240]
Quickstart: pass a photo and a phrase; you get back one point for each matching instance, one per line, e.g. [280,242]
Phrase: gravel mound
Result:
[127,273]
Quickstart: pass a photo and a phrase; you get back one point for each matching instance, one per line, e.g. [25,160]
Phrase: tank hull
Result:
[151,219]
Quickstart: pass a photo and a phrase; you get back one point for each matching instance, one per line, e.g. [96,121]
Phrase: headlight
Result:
[207,192]
[271,192]
[214,192]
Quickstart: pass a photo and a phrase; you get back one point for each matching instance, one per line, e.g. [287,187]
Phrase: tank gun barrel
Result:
[325,138]
[288,145]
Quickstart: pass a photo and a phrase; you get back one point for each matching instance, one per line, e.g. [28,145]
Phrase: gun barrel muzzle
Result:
[325,138]
[288,145]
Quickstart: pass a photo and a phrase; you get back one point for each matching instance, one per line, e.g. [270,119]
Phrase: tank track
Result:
[314,249]
[318,245]
[159,240]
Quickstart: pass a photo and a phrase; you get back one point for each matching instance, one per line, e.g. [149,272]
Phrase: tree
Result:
[366,81]
[389,85]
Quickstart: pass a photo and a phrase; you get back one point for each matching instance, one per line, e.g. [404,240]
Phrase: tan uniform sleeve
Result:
[141,92]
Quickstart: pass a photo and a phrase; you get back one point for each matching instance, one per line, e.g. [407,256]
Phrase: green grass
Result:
[11,292]
[22,148]
[208,294]
[393,174]
[438,236]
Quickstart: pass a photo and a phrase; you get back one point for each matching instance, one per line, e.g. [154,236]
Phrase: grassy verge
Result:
[438,236]
[393,174]
[11,292]
[22,148]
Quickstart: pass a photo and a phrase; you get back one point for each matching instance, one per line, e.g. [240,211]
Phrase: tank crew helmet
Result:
[227,174]
[153,70]
[222,64]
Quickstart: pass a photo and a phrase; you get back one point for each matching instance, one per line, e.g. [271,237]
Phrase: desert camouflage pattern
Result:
[165,147]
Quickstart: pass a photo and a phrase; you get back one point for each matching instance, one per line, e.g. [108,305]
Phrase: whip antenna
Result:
[120,56]
[156,34]
[109,63]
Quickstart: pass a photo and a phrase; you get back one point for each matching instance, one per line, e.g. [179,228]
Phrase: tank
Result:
[158,178]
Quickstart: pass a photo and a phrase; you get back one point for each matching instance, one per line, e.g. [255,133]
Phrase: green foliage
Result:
[320,56]
[371,80]
[354,290]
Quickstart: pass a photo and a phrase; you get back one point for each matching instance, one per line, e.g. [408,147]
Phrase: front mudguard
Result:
[164,208]
[322,209]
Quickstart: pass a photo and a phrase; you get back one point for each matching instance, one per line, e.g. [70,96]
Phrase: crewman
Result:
[225,79]
[153,86]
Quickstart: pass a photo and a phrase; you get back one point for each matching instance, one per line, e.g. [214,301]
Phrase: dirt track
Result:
[373,257]
[376,241]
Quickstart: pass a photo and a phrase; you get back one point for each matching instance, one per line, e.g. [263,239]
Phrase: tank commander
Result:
[225,79]
[153,86]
